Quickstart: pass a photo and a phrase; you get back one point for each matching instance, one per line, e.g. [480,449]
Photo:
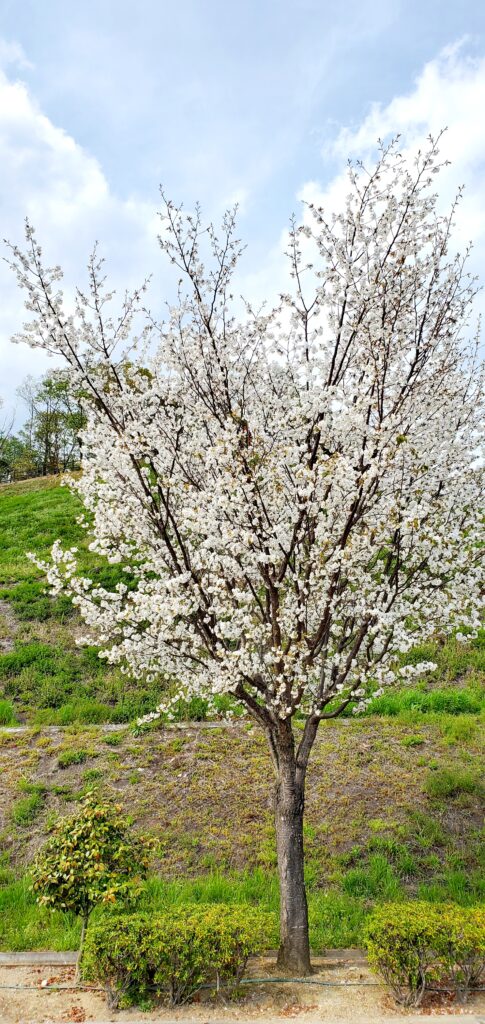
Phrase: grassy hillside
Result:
[391,809]
[44,676]
[46,679]
[395,799]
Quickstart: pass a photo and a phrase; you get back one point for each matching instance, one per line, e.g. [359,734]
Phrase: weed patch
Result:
[26,810]
[7,713]
[450,782]
[70,757]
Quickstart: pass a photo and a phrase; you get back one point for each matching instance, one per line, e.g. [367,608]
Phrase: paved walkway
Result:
[52,958]
[38,958]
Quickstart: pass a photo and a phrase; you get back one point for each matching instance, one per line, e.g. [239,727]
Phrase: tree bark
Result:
[85,920]
[294,951]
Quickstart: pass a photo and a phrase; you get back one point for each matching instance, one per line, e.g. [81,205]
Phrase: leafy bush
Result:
[464,948]
[173,954]
[412,944]
[90,858]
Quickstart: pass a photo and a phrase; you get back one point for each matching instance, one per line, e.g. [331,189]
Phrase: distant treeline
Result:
[48,442]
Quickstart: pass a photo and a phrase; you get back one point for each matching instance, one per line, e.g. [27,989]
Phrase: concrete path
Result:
[38,958]
[51,958]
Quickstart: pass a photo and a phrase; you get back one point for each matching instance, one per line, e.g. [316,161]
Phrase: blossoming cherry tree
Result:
[296,493]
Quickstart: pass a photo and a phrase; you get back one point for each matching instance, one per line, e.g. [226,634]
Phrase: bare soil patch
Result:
[8,627]
[345,992]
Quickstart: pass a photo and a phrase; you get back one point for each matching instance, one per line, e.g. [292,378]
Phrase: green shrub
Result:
[413,944]
[464,948]
[173,954]
[90,858]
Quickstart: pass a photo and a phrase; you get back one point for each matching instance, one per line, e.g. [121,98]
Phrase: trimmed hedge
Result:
[413,945]
[170,956]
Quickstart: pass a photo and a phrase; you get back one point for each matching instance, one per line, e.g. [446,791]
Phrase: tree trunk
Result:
[294,951]
[85,919]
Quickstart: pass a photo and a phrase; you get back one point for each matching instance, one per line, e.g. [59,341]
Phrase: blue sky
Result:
[255,101]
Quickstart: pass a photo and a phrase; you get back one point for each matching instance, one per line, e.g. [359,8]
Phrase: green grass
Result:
[376,881]
[459,731]
[32,513]
[46,677]
[114,739]
[337,915]
[428,831]
[57,685]
[25,811]
[335,918]
[451,782]
[7,713]
[49,681]
[24,925]
[70,757]
[413,741]
[463,701]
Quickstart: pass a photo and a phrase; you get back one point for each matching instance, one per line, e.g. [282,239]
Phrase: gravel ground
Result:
[25,998]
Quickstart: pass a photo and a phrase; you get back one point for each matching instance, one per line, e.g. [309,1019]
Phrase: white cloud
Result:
[47,176]
[13,53]
[448,94]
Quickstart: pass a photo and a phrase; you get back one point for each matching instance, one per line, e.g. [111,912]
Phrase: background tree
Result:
[5,445]
[295,493]
[16,460]
[91,857]
[54,422]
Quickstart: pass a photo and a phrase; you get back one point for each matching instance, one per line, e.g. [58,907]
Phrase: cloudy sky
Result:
[259,101]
